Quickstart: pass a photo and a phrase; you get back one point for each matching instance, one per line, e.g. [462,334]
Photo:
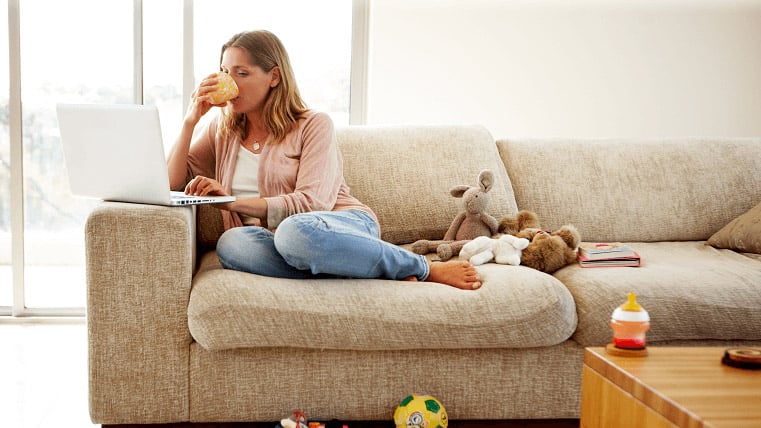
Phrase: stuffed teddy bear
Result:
[473,222]
[548,252]
[505,250]
[511,225]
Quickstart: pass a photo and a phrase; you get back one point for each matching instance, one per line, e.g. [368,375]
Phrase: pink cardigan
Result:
[302,173]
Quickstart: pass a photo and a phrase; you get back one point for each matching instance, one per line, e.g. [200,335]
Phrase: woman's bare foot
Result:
[457,273]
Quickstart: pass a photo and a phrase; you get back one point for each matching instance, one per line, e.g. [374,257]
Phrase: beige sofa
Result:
[173,337]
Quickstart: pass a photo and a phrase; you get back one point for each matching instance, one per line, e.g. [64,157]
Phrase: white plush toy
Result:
[297,420]
[505,250]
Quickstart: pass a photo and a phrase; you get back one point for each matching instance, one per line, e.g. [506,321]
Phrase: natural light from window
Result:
[68,57]
[6,290]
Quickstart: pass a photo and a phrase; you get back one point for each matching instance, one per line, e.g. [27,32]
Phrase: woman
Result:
[293,216]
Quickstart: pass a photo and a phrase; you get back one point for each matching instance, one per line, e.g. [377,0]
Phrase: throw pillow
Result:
[741,234]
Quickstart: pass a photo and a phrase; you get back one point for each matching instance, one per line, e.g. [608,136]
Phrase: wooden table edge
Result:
[596,359]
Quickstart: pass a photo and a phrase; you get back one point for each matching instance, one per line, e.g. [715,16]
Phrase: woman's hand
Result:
[200,101]
[177,161]
[204,186]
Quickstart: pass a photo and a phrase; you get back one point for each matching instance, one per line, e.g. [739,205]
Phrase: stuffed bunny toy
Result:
[471,223]
[505,250]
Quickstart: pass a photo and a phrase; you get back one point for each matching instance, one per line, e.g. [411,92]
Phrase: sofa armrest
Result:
[140,261]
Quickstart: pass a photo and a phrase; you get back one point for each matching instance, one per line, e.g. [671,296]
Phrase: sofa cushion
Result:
[209,226]
[517,307]
[635,190]
[691,290]
[741,234]
[404,174]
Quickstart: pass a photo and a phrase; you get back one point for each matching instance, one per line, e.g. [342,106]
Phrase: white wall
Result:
[581,68]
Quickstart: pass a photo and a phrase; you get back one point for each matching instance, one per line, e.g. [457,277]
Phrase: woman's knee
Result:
[229,246]
[295,237]
[236,245]
[297,230]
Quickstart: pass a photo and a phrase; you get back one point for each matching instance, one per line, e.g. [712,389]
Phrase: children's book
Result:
[608,255]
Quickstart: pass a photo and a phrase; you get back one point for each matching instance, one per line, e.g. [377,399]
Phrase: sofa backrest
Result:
[635,190]
[404,174]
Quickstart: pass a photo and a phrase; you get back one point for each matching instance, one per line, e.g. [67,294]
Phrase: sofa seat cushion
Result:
[517,307]
[691,290]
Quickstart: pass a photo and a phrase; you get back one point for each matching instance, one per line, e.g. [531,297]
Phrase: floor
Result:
[43,383]
[555,423]
[43,375]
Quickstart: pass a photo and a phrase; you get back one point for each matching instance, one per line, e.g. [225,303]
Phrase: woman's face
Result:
[253,83]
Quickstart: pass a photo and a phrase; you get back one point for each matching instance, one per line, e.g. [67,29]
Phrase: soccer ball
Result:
[420,411]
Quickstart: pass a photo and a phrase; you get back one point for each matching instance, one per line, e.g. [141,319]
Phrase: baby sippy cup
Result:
[629,323]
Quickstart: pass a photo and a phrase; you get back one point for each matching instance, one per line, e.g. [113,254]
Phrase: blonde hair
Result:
[284,105]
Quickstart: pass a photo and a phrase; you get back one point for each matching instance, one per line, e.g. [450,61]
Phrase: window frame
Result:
[19,311]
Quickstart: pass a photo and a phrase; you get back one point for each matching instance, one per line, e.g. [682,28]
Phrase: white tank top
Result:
[245,179]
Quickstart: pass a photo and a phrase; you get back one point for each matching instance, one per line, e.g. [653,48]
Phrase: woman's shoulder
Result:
[314,117]
[314,123]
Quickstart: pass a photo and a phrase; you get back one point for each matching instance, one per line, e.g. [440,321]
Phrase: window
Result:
[6,278]
[66,56]
[162,64]
[316,34]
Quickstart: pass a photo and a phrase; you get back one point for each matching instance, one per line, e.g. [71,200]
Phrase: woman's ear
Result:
[275,80]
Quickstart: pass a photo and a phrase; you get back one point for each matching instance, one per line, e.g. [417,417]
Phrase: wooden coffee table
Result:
[670,387]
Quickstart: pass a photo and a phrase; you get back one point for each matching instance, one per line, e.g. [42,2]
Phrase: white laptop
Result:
[115,152]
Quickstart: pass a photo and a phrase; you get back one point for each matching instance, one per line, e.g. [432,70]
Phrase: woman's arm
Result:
[177,162]
[253,207]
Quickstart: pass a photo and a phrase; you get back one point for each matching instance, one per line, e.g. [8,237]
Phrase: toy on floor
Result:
[420,411]
[472,222]
[297,420]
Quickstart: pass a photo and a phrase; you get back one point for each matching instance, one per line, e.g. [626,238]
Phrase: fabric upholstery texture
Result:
[351,349]
[404,174]
[264,384]
[741,234]
[209,225]
[631,191]
[231,309]
[691,291]
[139,266]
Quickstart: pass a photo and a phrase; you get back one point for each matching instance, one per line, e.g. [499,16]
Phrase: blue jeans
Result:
[325,244]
